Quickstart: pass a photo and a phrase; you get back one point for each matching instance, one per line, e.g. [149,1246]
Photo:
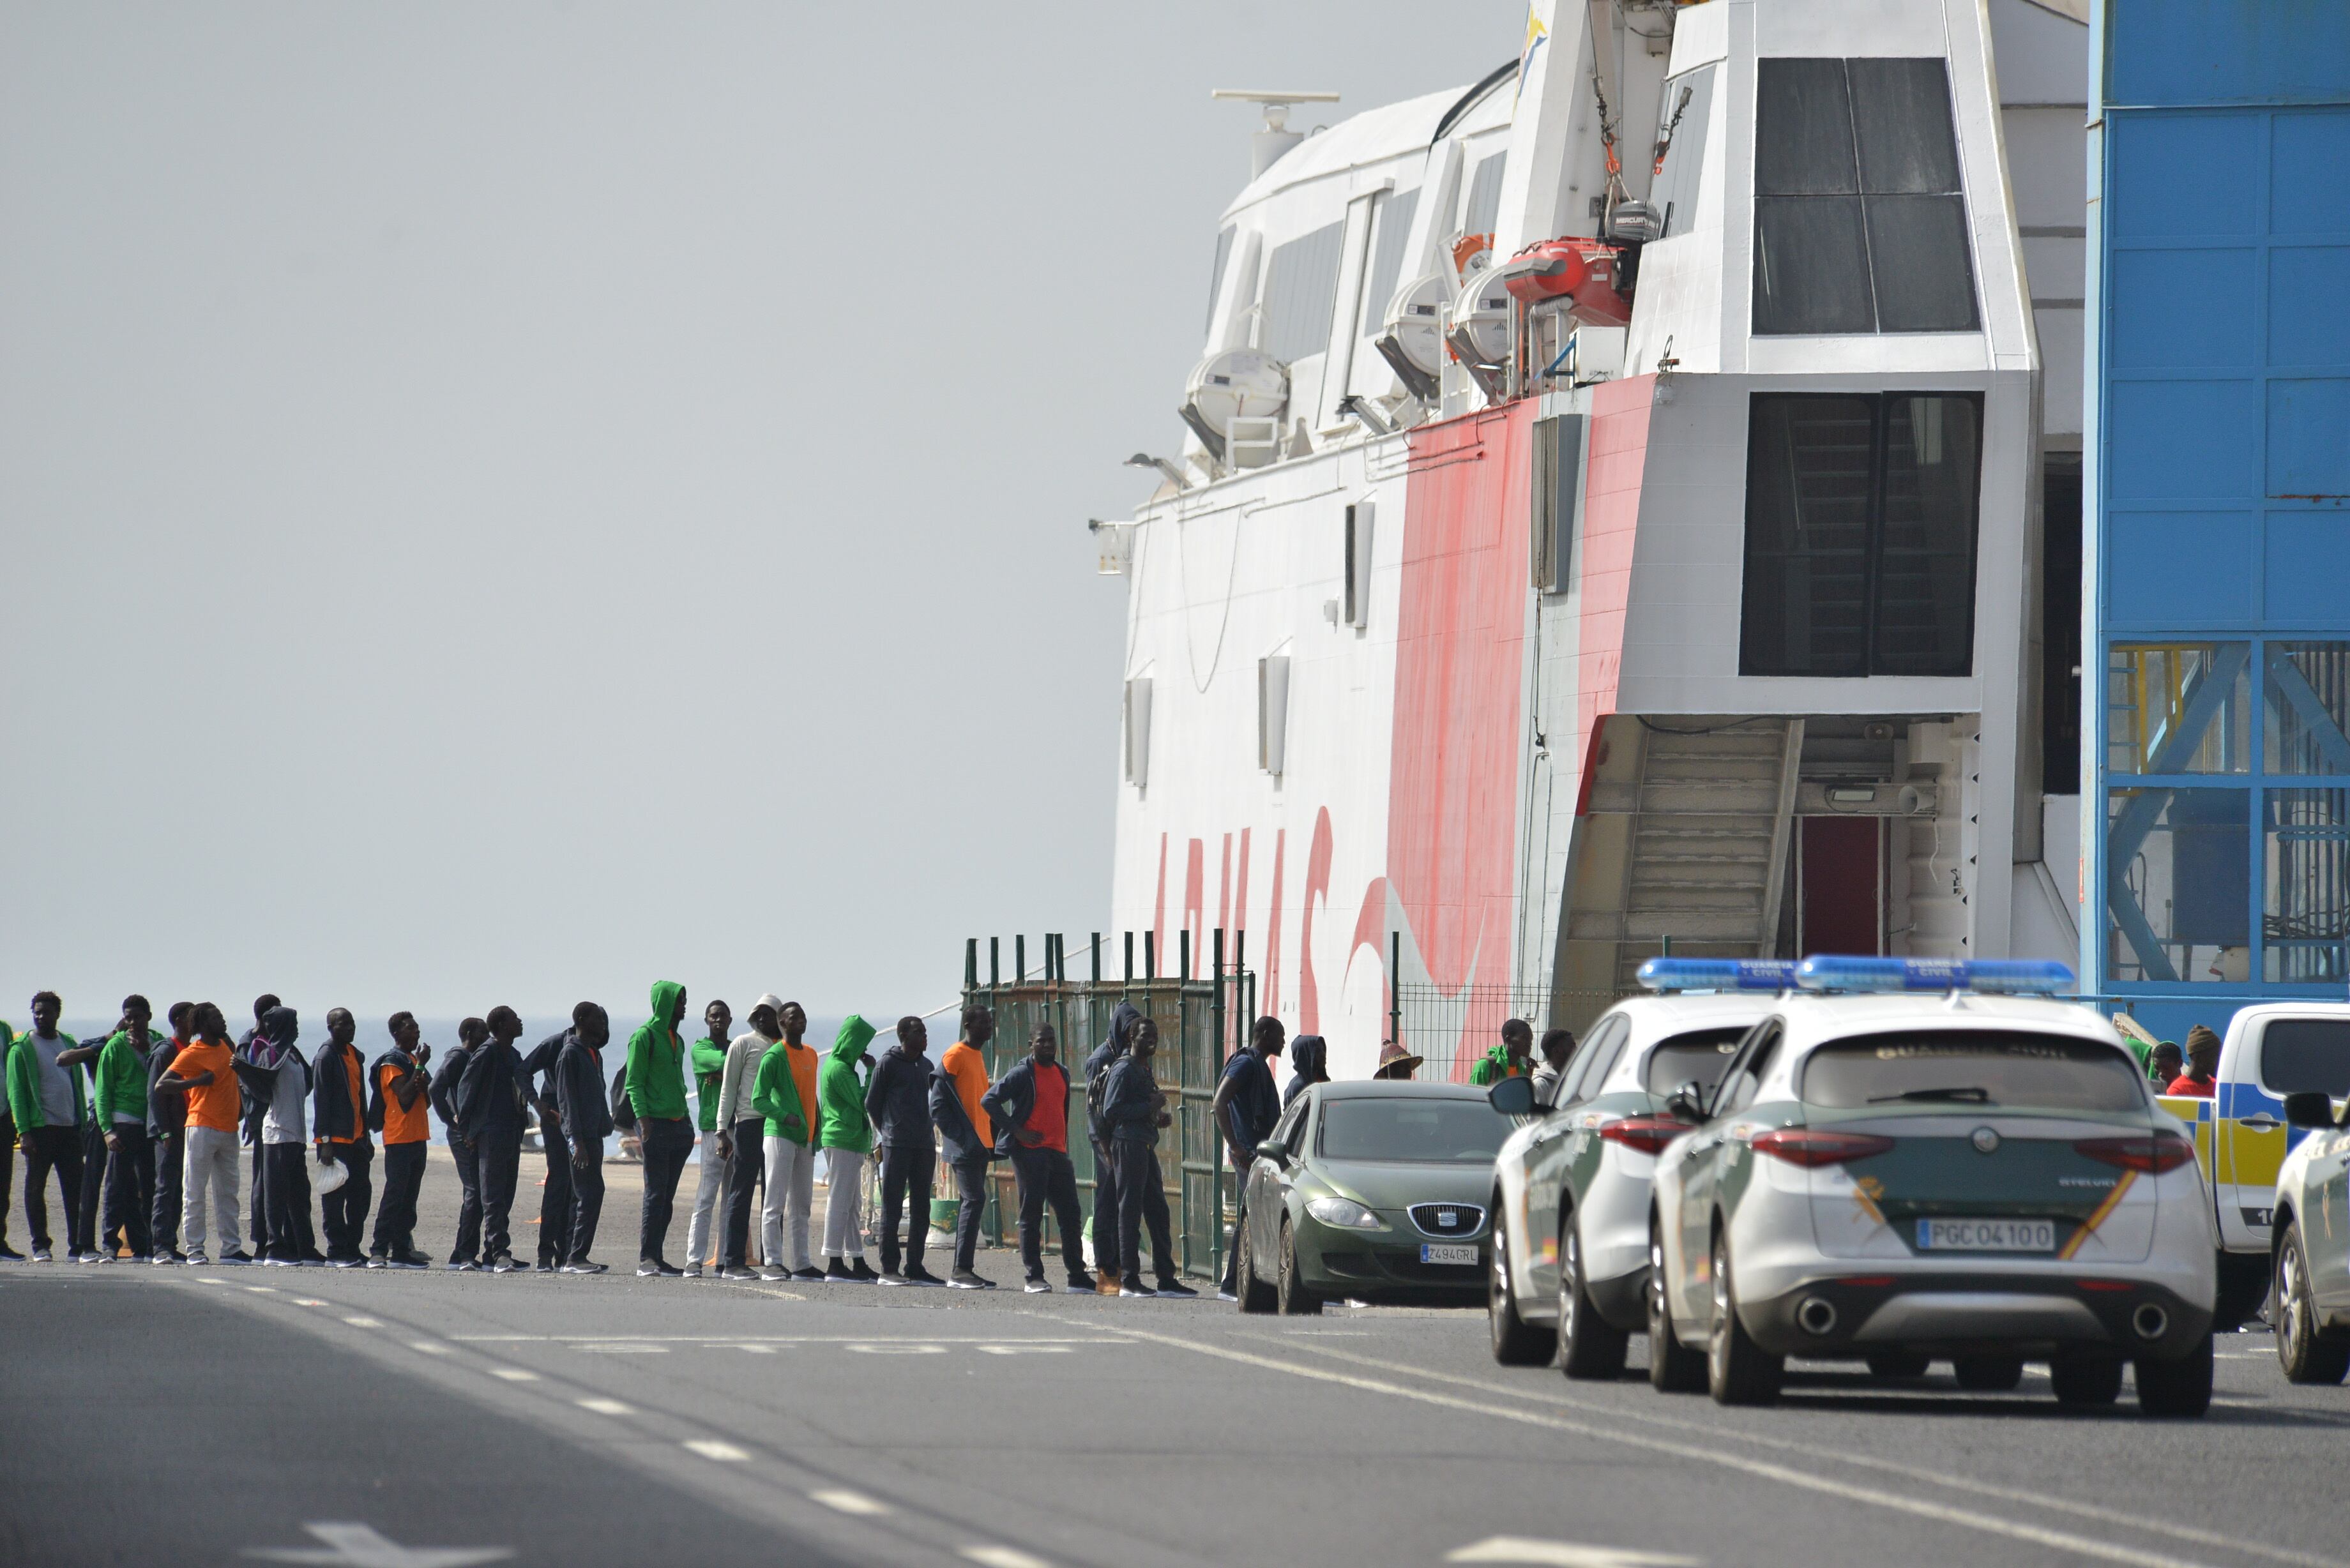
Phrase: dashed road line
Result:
[364,1322]
[605,1407]
[711,1448]
[514,1374]
[846,1501]
[1000,1557]
[427,1347]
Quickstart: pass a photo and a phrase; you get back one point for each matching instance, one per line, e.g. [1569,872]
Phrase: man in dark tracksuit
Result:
[254,1109]
[470,1035]
[1030,1108]
[898,1102]
[1245,1108]
[555,1196]
[1107,1054]
[167,1130]
[584,1113]
[1133,1110]
[489,1101]
[338,1124]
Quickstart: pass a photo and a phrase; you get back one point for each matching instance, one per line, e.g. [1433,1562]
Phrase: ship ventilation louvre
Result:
[1557,488]
[1137,731]
[1271,713]
[1358,564]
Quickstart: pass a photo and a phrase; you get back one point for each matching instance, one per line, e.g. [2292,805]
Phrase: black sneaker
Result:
[892,1277]
[738,1273]
[584,1267]
[346,1262]
[1179,1292]
[545,1266]
[811,1274]
[504,1263]
[412,1259]
[377,1261]
[1085,1285]
[1036,1285]
[1134,1288]
[658,1269]
[463,1266]
[918,1275]
[9,1254]
[861,1272]
[835,1272]
[966,1279]
[237,1259]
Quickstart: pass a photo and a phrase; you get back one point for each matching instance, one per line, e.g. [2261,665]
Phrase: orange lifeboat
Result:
[1580,270]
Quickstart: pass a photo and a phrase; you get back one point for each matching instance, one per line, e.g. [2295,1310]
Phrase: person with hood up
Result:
[655,1090]
[741,1140]
[122,1116]
[1029,1108]
[784,1092]
[1510,1059]
[1106,1055]
[471,1034]
[339,1121]
[399,1107]
[1244,1110]
[845,1133]
[898,1101]
[167,1134]
[583,1107]
[1134,1108]
[556,1198]
[272,1069]
[958,1085]
[45,1097]
[708,1074]
[489,1104]
[1309,1063]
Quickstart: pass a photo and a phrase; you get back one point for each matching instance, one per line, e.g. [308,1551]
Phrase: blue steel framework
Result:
[2216,547]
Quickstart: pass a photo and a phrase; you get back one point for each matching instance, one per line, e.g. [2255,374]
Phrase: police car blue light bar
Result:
[1833,971]
[1718,974]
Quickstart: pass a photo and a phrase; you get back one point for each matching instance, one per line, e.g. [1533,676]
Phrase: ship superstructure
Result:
[1614,511]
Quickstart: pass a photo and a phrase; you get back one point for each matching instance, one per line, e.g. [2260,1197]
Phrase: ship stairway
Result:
[1702,833]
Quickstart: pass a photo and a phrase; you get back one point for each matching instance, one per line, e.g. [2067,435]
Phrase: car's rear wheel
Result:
[1673,1368]
[1255,1293]
[1988,1373]
[2307,1352]
[2087,1378]
[2177,1387]
[1516,1342]
[1590,1346]
[1738,1371]
[1899,1366]
[1290,1294]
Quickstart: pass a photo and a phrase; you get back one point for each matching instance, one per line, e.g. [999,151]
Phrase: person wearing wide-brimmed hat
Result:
[1395,1061]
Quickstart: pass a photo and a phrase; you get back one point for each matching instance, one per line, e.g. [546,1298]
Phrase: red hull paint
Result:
[1459,698]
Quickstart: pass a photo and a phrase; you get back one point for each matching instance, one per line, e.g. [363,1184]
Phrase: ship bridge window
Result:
[1301,294]
[1484,209]
[1860,534]
[1686,111]
[1395,212]
[1216,278]
[1860,220]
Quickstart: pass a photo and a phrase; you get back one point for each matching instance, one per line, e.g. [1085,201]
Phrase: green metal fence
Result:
[1451,1030]
[1202,1013]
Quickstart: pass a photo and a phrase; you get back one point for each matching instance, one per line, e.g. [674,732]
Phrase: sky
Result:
[505,504]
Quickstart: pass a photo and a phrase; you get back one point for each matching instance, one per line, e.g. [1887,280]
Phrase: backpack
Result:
[624,1115]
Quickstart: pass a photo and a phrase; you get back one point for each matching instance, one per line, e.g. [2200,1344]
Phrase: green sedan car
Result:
[1371,1191]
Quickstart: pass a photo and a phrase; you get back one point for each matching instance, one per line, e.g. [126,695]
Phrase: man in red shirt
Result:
[1029,1108]
[2202,1065]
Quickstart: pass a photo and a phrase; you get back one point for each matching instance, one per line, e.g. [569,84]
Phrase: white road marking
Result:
[362,1546]
[2057,1540]
[847,1501]
[1937,1478]
[263,1289]
[427,1347]
[1564,1554]
[1000,1557]
[607,1406]
[364,1322]
[514,1374]
[897,1347]
[749,1349]
[625,1349]
[711,1448]
[1022,1349]
[307,1301]
[209,1279]
[724,1340]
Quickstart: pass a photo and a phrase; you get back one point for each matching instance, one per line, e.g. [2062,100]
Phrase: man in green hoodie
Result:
[708,1074]
[8,1145]
[655,1090]
[847,1139]
[45,1096]
[1513,1058]
[123,1118]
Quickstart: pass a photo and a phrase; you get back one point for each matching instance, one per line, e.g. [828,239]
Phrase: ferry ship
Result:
[1627,504]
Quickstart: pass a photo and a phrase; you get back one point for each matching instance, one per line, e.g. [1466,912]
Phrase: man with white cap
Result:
[741,1136]
[785,1093]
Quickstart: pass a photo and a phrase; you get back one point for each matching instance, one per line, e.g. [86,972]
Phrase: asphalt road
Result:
[209,1415]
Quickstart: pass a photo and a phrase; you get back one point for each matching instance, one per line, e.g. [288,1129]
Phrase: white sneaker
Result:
[198,1261]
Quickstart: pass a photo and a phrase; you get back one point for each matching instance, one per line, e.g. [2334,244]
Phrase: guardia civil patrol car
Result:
[1567,1271]
[1901,1164]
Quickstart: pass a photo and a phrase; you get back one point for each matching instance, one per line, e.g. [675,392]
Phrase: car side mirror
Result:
[1274,1149]
[1686,1103]
[1513,1096]
[2309,1108]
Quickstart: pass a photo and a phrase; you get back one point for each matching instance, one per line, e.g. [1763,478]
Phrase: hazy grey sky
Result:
[503,503]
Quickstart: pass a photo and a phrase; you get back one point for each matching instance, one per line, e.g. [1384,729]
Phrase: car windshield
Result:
[1972,1067]
[1702,1054]
[1396,1128]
